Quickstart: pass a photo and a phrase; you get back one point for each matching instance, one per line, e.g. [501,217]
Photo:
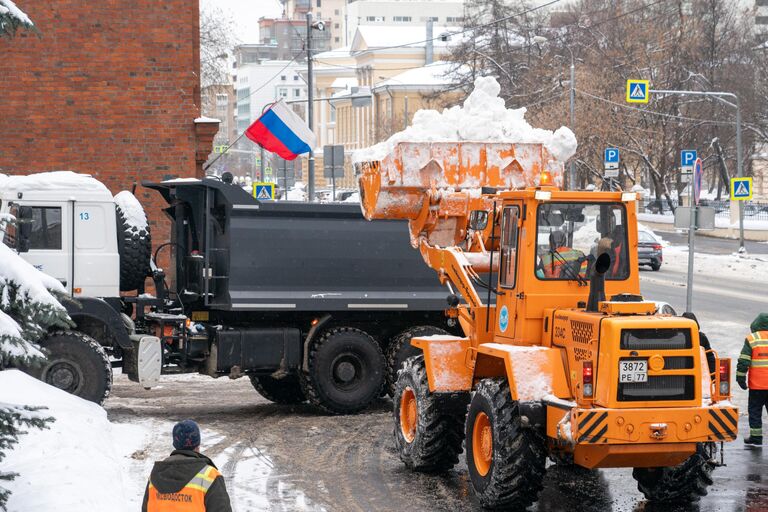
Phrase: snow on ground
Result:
[133,211]
[79,463]
[720,222]
[297,193]
[734,266]
[482,117]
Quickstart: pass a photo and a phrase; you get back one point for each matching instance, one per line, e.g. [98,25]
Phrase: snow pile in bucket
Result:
[132,210]
[77,463]
[482,118]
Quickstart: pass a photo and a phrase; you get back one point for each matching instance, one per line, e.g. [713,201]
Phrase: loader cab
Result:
[548,246]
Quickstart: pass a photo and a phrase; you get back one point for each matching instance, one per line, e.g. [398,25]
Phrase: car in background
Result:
[649,250]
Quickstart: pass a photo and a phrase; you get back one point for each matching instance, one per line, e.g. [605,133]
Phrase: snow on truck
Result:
[561,356]
[304,299]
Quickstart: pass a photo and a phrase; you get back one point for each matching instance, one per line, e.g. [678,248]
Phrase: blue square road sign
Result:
[612,155]
[688,158]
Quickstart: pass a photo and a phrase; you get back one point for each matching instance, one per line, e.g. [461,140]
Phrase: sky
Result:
[246,14]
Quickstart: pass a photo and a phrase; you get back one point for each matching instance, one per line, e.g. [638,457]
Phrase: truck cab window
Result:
[46,228]
[570,237]
[508,269]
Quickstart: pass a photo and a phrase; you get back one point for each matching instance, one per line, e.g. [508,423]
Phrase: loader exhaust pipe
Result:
[597,282]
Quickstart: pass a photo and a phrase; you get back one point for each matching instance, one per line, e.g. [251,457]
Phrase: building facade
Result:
[113,92]
[395,13]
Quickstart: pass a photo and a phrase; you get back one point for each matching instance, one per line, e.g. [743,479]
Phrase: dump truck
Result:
[561,356]
[303,299]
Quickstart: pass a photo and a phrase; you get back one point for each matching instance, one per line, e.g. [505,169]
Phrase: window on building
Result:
[336,12]
[296,93]
[454,19]
[336,39]
[376,19]
[295,78]
[335,25]
[282,77]
[282,92]
[333,114]
[319,4]
[401,19]
[430,18]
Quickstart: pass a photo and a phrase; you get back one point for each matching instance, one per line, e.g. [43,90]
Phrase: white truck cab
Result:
[72,236]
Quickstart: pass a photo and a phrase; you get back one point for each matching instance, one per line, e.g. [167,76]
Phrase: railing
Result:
[753,210]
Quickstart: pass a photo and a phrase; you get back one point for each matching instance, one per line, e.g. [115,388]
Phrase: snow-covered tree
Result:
[28,309]
[12,19]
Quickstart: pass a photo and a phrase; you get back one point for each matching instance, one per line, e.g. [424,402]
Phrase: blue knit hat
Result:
[186,435]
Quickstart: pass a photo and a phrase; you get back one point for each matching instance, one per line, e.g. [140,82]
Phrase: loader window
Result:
[572,235]
[508,268]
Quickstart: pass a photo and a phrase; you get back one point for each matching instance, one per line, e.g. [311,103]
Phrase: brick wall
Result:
[109,88]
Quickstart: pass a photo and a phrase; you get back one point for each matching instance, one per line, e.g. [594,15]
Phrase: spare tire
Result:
[134,243]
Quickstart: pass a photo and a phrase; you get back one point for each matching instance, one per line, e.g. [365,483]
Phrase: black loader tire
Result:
[435,444]
[77,364]
[135,249]
[400,349]
[280,391]
[346,371]
[687,482]
[515,474]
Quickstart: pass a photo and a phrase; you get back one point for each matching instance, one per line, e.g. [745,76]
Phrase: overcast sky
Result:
[246,14]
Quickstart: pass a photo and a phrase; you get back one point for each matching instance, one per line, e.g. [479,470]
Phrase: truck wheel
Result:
[134,242]
[77,364]
[280,391]
[400,349]
[506,461]
[655,265]
[683,483]
[346,371]
[427,438]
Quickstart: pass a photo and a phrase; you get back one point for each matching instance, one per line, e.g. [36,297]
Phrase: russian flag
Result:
[281,131]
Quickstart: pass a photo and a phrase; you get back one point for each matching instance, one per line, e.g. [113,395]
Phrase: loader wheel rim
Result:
[482,443]
[409,415]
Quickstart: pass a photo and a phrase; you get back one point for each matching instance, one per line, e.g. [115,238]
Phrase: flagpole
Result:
[206,167]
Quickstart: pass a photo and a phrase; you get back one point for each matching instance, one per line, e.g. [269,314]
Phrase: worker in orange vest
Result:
[187,481]
[753,360]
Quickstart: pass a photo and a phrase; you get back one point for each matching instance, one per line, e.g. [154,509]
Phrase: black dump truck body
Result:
[309,300]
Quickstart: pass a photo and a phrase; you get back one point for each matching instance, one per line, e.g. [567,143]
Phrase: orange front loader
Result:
[562,357]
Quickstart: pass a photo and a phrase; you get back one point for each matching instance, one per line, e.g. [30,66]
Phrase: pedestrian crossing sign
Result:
[741,189]
[264,191]
[638,91]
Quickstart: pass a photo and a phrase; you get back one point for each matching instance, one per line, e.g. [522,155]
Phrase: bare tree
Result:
[217,41]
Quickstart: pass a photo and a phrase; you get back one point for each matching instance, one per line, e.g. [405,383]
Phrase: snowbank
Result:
[297,193]
[483,117]
[131,208]
[78,463]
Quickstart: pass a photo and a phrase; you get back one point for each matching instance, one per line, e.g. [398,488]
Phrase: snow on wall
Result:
[79,463]
[133,211]
[483,117]
[529,365]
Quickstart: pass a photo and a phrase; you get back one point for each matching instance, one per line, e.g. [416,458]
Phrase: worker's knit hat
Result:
[760,323]
[186,435]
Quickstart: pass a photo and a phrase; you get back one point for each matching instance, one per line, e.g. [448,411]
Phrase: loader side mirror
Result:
[478,220]
[24,229]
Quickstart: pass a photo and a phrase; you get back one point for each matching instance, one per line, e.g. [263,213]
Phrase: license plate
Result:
[633,371]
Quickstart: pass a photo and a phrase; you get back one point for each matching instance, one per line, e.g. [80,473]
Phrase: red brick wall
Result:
[109,88]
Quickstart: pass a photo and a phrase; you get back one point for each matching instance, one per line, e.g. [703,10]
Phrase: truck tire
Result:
[77,364]
[506,461]
[346,371]
[427,438]
[134,245]
[280,391]
[687,482]
[400,349]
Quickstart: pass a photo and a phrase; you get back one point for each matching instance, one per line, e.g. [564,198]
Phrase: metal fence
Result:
[753,210]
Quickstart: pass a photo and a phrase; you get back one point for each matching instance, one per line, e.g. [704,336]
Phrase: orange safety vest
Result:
[553,266]
[758,367]
[191,498]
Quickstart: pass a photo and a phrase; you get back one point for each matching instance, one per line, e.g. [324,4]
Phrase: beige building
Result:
[371,89]
[760,174]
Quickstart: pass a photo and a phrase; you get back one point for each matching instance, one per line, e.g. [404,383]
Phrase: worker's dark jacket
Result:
[186,481]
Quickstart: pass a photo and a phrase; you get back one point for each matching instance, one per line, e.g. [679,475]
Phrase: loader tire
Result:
[346,371]
[77,364]
[687,482]
[506,461]
[400,349]
[134,245]
[280,391]
[427,437]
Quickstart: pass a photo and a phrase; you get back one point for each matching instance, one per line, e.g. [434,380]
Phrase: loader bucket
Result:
[397,186]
